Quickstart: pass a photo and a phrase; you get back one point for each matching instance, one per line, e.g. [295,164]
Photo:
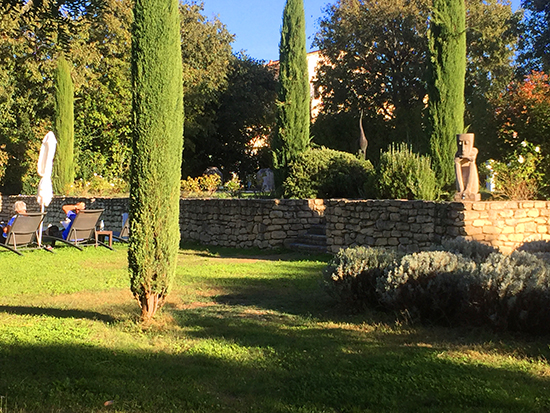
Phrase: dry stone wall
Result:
[272,223]
[247,223]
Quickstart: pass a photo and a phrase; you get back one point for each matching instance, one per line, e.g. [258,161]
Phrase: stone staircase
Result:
[314,241]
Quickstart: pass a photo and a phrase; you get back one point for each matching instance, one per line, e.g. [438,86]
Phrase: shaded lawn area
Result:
[241,332]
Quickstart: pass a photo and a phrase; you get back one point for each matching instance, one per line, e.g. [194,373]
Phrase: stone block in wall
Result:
[479,206]
[530,227]
[490,229]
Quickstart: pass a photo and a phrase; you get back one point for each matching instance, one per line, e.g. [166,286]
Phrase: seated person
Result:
[20,208]
[71,211]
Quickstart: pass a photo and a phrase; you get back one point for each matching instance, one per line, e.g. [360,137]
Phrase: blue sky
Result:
[257,23]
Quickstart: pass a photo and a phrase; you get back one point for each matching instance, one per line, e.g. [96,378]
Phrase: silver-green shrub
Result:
[352,275]
[513,293]
[461,286]
[474,250]
[428,286]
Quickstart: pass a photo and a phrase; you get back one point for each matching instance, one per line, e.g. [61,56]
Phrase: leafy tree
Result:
[207,57]
[491,37]
[26,90]
[292,136]
[535,42]
[382,72]
[245,118]
[447,44]
[103,92]
[157,149]
[373,61]
[63,168]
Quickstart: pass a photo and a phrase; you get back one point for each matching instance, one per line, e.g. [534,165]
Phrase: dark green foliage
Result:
[353,274]
[245,114]
[373,61]
[491,39]
[157,149]
[293,116]
[447,63]
[326,173]
[429,285]
[63,166]
[452,285]
[403,174]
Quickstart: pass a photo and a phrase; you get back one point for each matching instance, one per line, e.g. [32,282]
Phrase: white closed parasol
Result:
[44,168]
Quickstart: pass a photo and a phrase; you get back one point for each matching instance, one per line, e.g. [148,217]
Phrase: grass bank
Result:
[241,332]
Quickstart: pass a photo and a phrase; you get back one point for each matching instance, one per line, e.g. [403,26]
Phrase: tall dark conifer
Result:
[447,43]
[63,167]
[157,149]
[292,135]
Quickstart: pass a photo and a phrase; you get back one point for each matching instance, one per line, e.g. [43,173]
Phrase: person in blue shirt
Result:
[20,208]
[71,211]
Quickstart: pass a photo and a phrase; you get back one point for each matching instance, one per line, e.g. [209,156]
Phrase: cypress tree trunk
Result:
[157,150]
[292,135]
[63,166]
[447,43]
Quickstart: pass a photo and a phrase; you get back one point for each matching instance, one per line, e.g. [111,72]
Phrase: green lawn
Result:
[241,332]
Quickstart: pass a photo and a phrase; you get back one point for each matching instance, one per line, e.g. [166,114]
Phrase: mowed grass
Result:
[241,332]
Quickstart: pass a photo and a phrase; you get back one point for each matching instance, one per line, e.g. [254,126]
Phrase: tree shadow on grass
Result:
[222,362]
[252,253]
[56,312]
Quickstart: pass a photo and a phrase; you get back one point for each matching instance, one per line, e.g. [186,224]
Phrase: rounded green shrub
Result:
[326,173]
[403,174]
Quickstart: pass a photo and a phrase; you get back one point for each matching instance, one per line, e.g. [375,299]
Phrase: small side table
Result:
[101,235]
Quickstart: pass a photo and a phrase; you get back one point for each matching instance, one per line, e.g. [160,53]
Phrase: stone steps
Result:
[314,241]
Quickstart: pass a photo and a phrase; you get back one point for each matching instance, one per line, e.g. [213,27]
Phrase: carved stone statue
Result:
[467,177]
[363,143]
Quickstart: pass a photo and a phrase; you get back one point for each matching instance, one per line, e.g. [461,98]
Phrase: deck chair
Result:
[23,234]
[124,234]
[83,230]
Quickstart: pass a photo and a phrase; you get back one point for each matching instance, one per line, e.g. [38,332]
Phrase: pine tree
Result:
[63,167]
[157,150]
[447,43]
[292,136]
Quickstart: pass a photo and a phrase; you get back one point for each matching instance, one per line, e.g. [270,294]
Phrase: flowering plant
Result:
[517,177]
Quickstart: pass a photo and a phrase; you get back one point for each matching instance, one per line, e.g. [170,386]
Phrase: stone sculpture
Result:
[467,177]
[363,143]
[266,180]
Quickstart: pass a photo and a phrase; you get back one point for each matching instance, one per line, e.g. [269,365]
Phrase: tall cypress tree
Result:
[292,135]
[447,42]
[63,167]
[157,150]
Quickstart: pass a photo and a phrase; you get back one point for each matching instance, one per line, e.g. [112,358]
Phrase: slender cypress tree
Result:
[292,136]
[63,166]
[157,149]
[447,42]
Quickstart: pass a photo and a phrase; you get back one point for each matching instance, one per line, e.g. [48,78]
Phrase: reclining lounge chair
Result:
[23,234]
[83,230]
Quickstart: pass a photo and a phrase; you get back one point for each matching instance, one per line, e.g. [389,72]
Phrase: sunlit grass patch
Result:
[240,332]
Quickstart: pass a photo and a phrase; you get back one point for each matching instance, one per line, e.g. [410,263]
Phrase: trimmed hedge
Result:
[326,173]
